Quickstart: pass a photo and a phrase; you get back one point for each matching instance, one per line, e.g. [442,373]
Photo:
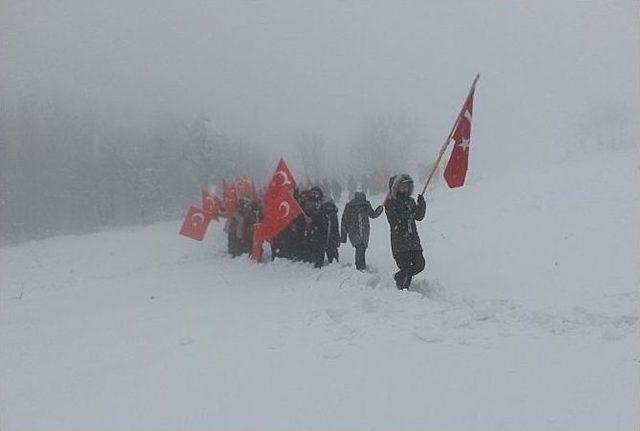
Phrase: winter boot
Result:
[400,278]
[407,282]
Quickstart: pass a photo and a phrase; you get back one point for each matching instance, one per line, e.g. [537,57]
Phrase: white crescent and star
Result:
[196,219]
[464,144]
[285,178]
[287,209]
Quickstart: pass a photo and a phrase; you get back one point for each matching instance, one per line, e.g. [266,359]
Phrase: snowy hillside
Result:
[526,317]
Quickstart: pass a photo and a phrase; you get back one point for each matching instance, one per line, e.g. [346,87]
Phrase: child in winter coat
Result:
[355,224]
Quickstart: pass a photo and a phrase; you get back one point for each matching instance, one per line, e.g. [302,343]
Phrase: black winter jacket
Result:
[402,213]
[330,211]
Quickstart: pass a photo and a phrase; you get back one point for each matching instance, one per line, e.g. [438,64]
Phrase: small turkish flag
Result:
[195,223]
[456,170]
[283,177]
[230,198]
[280,210]
[211,204]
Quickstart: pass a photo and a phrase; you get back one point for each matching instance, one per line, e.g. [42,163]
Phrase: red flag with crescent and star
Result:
[280,210]
[195,223]
[283,177]
[211,204]
[456,170]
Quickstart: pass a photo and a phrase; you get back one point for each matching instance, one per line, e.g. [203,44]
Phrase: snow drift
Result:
[525,318]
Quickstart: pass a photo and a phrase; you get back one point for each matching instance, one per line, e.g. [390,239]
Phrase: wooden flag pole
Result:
[448,140]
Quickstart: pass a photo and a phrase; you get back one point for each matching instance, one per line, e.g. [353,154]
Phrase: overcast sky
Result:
[267,71]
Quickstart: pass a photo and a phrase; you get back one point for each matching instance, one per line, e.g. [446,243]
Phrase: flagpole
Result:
[448,140]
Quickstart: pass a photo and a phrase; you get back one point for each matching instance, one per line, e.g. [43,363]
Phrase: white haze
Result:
[555,75]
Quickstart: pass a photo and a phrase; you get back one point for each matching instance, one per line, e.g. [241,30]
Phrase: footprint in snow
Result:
[336,315]
[332,353]
[275,345]
[431,289]
[613,333]
[374,280]
[429,336]
[186,341]
[369,305]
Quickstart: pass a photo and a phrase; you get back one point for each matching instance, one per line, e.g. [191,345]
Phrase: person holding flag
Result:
[280,209]
[402,213]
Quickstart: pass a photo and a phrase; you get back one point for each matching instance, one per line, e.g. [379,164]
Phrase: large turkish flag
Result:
[280,210]
[456,170]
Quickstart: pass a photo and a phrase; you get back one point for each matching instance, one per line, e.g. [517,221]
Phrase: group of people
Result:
[313,235]
[317,234]
[331,188]
[240,225]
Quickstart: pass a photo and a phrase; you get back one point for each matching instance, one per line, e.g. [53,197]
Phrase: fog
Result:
[262,79]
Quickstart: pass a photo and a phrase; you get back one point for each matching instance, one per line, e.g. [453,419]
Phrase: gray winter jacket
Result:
[355,220]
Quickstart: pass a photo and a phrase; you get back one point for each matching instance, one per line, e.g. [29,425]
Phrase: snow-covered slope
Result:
[526,318]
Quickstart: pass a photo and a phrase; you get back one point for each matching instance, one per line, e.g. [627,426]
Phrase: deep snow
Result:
[526,318]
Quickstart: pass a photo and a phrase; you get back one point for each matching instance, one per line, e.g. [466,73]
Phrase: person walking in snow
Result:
[330,211]
[235,228]
[289,243]
[250,214]
[402,212]
[355,224]
[316,231]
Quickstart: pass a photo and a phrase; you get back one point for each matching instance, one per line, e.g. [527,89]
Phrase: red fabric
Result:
[283,177]
[211,204]
[280,210]
[256,250]
[230,198]
[456,170]
[195,223]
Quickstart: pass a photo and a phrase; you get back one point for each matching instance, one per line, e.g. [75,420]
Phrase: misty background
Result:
[116,113]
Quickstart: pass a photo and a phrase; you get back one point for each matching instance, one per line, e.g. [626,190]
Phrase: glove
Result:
[420,199]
